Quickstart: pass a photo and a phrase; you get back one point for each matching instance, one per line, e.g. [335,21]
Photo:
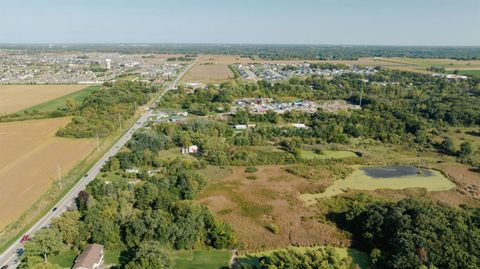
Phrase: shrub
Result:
[251,169]
[272,228]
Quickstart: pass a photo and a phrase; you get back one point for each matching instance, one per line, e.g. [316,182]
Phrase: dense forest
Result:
[104,111]
[268,52]
[155,214]
[414,233]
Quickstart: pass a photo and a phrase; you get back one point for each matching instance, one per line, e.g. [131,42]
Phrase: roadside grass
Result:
[327,154]
[359,180]
[174,153]
[65,259]
[16,229]
[201,259]
[60,102]
[358,257]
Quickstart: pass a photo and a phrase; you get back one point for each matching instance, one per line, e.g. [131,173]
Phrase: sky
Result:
[324,22]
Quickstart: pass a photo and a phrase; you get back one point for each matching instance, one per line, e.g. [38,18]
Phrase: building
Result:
[90,258]
[299,125]
[193,149]
[132,170]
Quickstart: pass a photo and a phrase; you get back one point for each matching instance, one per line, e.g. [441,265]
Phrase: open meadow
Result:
[263,207]
[29,161]
[14,98]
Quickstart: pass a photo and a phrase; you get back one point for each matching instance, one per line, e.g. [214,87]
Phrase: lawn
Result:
[359,180]
[201,259]
[59,102]
[328,154]
[467,72]
[65,258]
[359,258]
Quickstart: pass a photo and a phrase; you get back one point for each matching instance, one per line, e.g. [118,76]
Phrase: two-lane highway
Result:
[10,255]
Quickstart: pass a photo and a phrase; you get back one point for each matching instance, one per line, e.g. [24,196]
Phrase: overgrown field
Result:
[14,98]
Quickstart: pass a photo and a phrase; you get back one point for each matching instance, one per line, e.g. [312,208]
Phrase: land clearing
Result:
[328,154]
[29,161]
[360,180]
[14,98]
[269,197]
[201,259]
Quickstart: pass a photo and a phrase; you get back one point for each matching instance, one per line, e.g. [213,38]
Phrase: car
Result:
[86,175]
[4,267]
[54,209]
[24,238]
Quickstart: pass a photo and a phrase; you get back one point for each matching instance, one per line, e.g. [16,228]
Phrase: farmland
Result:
[60,102]
[14,98]
[30,156]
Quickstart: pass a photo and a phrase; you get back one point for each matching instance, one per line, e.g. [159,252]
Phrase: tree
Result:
[466,149]
[447,145]
[68,226]
[71,104]
[45,242]
[150,255]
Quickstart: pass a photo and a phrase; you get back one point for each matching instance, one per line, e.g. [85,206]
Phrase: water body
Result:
[395,171]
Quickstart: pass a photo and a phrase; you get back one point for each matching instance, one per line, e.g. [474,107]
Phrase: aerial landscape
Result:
[252,135]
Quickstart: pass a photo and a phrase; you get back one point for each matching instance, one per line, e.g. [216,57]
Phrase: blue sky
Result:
[379,22]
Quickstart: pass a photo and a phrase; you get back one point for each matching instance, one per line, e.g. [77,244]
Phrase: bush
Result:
[272,228]
[252,177]
[250,169]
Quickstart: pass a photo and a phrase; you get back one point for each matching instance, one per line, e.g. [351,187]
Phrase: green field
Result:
[359,258]
[467,72]
[65,258]
[359,180]
[59,102]
[201,259]
[327,154]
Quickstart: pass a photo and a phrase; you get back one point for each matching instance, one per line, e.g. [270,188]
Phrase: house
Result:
[299,125]
[240,126]
[190,150]
[132,170]
[90,258]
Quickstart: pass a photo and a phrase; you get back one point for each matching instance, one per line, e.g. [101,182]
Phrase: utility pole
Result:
[59,174]
[98,141]
[120,121]
[361,96]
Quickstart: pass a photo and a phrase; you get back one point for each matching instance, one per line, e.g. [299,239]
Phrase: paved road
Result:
[9,257]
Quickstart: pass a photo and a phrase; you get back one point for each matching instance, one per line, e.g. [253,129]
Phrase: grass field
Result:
[250,205]
[15,98]
[358,258]
[60,102]
[65,258]
[328,154]
[359,180]
[29,159]
[201,259]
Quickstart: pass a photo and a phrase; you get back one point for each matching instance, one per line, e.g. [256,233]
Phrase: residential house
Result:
[90,258]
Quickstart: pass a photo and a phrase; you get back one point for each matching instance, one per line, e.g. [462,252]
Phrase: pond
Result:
[395,171]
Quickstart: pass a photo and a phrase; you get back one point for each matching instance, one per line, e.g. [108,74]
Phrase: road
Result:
[9,257]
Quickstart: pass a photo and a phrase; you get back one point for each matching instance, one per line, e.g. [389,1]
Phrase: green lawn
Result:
[327,154]
[65,258]
[358,257]
[201,259]
[112,257]
[467,72]
[359,180]
[59,102]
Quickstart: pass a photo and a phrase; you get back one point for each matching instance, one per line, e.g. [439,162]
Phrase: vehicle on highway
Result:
[24,238]
[86,175]
[54,209]
[4,267]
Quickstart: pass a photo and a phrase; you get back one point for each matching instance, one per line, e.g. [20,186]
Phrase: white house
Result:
[90,258]
[190,150]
